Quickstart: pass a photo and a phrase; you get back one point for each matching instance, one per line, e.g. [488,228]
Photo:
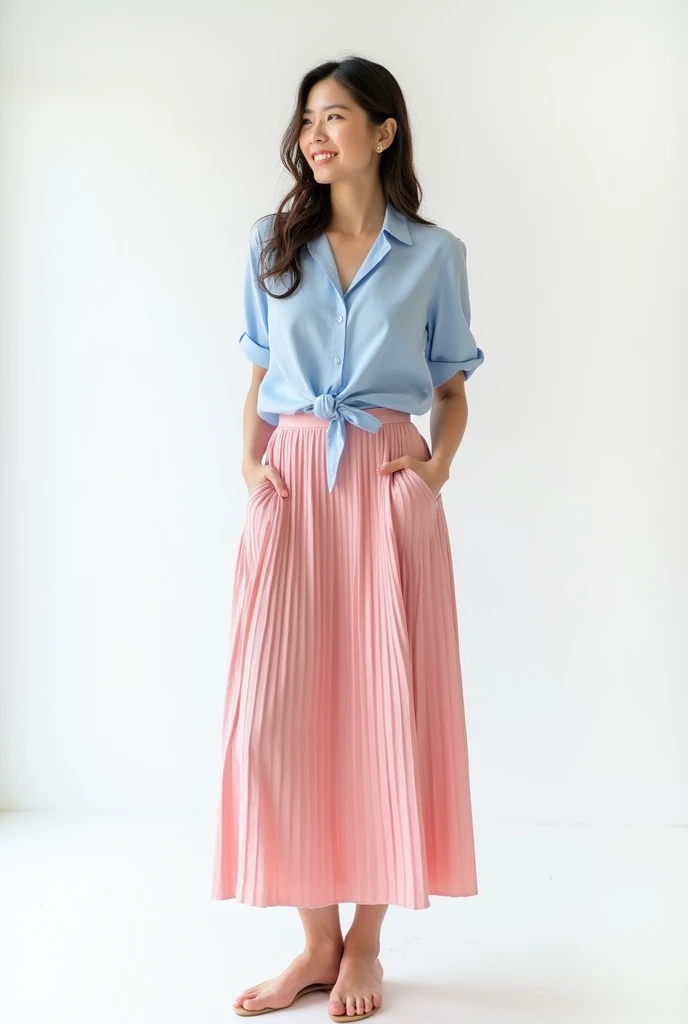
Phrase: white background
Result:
[139,143]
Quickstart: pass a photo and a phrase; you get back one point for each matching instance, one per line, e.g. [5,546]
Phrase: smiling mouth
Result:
[324,159]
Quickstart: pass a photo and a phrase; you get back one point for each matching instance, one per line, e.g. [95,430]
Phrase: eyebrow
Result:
[342,106]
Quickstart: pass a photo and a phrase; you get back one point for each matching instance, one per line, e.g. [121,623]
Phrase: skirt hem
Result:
[343,899]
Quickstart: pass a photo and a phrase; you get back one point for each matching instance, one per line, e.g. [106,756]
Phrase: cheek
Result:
[352,147]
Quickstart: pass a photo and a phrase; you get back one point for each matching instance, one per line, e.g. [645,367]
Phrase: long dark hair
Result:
[305,211]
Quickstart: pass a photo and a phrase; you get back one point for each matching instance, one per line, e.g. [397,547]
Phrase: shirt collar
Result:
[395,223]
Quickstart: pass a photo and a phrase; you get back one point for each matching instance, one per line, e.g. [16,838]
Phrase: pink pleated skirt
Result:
[345,773]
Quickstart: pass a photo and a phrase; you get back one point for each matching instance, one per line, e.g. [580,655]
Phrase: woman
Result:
[345,760]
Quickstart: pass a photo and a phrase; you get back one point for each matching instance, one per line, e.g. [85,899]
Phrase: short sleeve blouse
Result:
[401,328]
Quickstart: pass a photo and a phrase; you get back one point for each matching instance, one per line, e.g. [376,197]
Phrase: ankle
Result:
[361,945]
[327,949]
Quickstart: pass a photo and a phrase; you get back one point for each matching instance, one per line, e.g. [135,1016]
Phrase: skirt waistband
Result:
[309,419]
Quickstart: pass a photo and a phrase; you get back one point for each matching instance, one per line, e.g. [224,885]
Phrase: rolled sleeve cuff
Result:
[255,352]
[441,371]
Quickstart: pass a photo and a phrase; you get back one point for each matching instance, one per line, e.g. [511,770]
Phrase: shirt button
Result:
[336,360]
[339,319]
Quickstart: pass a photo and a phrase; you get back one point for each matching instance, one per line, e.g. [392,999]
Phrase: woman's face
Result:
[333,124]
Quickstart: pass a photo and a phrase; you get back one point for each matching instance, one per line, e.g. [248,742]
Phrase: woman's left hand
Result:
[431,472]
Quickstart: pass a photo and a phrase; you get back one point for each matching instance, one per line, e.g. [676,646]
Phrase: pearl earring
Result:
[379,149]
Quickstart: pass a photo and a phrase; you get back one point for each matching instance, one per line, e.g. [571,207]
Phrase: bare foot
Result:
[358,988]
[307,968]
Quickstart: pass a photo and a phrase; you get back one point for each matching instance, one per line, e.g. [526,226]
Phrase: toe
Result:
[336,1006]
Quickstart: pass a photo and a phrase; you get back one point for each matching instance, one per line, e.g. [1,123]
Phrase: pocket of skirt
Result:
[259,489]
[426,487]
[428,490]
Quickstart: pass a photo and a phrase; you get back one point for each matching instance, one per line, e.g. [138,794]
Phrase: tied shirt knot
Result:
[330,407]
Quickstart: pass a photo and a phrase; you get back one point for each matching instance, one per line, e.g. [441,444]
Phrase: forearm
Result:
[448,418]
[256,432]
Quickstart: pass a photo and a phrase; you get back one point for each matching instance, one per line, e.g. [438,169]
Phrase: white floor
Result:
[108,919]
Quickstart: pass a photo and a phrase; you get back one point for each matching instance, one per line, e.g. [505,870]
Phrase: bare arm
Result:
[256,435]
[448,418]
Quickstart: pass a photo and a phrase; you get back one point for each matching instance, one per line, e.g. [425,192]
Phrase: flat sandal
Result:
[318,986]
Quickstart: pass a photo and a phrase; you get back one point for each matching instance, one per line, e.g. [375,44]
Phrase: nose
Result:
[317,131]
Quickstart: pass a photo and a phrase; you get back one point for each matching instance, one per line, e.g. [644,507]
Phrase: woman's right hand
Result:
[255,473]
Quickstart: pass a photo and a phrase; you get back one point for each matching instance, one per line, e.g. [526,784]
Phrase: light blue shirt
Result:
[401,328]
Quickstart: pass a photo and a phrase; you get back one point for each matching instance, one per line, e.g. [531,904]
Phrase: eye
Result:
[305,119]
